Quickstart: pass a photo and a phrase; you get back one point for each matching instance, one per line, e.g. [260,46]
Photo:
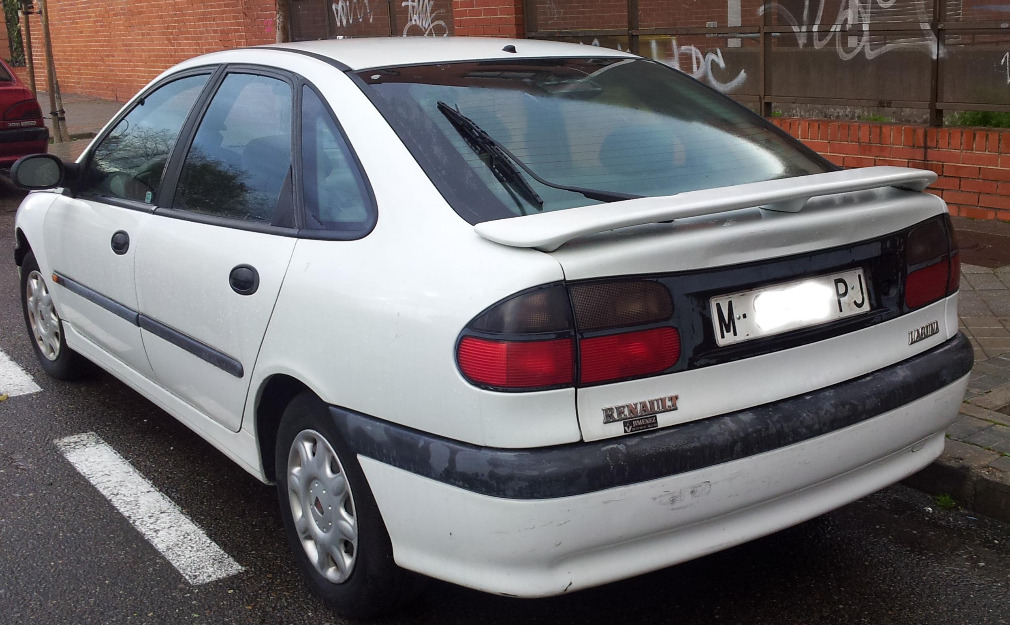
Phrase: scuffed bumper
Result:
[545,521]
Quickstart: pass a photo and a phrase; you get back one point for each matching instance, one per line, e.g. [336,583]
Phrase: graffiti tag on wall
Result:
[421,19]
[351,12]
[851,29]
[421,16]
[692,61]
[849,33]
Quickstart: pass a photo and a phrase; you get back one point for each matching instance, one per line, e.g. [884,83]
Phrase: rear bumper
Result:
[543,521]
[18,142]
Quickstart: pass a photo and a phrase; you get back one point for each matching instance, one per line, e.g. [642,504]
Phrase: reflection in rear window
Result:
[627,127]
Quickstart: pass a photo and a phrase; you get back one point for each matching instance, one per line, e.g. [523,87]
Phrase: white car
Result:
[524,316]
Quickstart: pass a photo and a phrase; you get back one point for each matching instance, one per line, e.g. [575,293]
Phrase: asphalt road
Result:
[68,556]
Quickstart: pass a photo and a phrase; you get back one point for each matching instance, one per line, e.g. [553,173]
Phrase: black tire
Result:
[373,585]
[45,328]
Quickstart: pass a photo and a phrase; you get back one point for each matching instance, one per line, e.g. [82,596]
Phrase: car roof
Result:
[368,53]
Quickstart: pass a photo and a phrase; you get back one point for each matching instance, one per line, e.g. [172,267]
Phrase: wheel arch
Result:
[21,246]
[276,393]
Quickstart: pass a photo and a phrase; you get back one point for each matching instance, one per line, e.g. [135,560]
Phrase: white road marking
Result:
[161,522]
[13,379]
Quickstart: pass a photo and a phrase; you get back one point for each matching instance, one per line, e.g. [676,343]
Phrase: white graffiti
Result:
[1006,61]
[851,28]
[421,20]
[351,12]
[698,64]
[850,32]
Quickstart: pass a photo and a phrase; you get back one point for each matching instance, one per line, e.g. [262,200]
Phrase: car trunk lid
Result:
[728,247]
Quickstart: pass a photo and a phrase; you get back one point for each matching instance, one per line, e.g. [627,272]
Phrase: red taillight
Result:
[927,284]
[515,364]
[628,355]
[530,340]
[954,283]
[933,263]
[25,109]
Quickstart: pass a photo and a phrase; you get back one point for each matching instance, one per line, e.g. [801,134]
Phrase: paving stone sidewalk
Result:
[975,466]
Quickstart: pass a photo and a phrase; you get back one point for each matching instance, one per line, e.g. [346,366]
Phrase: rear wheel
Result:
[45,328]
[331,520]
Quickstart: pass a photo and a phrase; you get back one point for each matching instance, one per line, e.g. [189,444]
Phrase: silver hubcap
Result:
[322,506]
[42,316]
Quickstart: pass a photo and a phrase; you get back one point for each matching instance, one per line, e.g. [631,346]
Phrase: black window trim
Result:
[211,72]
[164,202]
[173,171]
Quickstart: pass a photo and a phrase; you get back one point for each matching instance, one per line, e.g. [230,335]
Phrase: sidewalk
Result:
[975,466]
[85,116]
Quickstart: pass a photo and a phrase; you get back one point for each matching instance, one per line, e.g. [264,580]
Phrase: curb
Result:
[965,472]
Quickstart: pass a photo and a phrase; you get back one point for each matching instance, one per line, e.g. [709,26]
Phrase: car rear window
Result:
[622,127]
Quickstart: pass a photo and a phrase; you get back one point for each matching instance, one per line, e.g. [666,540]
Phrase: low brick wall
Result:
[973,163]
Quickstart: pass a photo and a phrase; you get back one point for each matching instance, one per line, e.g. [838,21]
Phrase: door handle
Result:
[244,279]
[120,242]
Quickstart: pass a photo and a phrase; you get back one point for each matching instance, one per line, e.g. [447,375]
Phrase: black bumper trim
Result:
[28,133]
[579,468]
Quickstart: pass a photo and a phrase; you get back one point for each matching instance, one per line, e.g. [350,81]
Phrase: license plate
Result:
[779,308]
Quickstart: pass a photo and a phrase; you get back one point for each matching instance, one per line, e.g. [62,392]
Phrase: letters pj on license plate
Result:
[780,308]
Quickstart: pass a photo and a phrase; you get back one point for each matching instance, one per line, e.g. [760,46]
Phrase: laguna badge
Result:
[923,333]
[640,409]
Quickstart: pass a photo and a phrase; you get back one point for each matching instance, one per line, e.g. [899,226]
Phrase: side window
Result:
[334,194]
[239,165]
[130,161]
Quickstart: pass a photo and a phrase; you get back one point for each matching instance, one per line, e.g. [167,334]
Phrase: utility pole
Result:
[26,10]
[60,134]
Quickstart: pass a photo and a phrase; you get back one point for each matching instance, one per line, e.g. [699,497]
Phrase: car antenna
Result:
[509,48]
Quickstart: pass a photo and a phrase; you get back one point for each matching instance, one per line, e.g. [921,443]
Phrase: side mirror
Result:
[41,171]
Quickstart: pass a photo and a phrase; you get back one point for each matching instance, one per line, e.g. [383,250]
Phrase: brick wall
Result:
[973,163]
[112,49]
[491,18]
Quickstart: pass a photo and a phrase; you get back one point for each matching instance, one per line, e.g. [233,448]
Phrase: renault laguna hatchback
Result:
[524,316]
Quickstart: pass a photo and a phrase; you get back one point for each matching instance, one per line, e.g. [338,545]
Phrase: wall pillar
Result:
[488,18]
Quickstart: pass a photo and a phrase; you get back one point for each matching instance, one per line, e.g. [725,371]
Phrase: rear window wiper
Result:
[503,162]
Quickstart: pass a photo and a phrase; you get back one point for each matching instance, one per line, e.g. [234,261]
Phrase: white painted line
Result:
[161,522]
[13,379]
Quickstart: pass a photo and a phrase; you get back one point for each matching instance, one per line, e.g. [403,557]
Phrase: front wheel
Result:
[331,520]
[45,328]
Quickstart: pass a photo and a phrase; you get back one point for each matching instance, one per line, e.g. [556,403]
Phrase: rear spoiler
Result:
[549,231]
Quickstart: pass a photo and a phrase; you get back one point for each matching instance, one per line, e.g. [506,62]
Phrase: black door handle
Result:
[120,242]
[244,279]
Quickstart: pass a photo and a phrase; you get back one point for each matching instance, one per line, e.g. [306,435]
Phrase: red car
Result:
[22,129]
